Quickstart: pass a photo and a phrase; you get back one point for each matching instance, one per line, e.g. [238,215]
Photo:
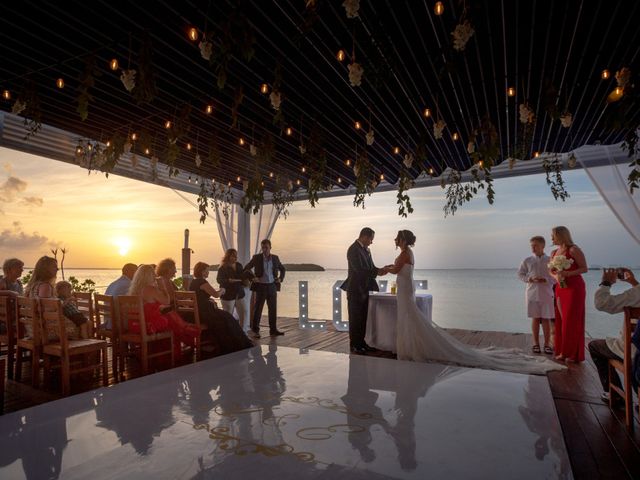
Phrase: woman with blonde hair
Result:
[230,277]
[570,297]
[145,285]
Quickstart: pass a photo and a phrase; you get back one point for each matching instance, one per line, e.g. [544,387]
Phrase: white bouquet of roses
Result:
[560,263]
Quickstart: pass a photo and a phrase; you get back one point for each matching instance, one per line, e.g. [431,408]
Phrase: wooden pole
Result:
[186,261]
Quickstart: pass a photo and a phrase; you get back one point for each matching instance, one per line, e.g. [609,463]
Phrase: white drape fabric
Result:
[609,172]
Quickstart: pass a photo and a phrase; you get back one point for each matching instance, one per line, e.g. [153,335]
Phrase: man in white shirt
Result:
[539,293]
[602,350]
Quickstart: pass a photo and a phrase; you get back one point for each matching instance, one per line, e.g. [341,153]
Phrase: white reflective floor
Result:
[278,413]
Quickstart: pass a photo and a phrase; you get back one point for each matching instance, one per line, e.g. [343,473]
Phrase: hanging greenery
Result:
[253,196]
[113,153]
[316,158]
[203,202]
[553,172]
[404,184]
[213,156]
[282,197]
[145,89]
[178,130]
[237,100]
[29,101]
[87,82]
[365,183]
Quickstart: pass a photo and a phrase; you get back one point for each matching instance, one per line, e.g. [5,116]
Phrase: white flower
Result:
[512,162]
[127,147]
[370,137]
[572,161]
[461,35]
[623,76]
[303,149]
[276,99]
[560,262]
[526,114]
[18,107]
[128,79]
[471,147]
[438,128]
[198,160]
[206,49]
[253,150]
[408,160]
[352,7]
[566,120]
[355,74]
[134,160]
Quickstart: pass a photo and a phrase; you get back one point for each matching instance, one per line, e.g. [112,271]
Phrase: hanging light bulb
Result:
[431,171]
[455,136]
[209,109]
[264,88]
[60,83]
[536,154]
[262,184]
[188,146]
[113,64]
[615,95]
[427,112]
[339,180]
[396,150]
[358,125]
[605,74]
[304,169]
[238,179]
[89,147]
[480,163]
[438,8]
[167,124]
[189,179]
[511,92]
[6,94]
[381,176]
[289,131]
[134,136]
[78,150]
[270,174]
[348,162]
[229,184]
[340,55]
[193,34]
[147,151]
[241,141]
[298,182]
[108,143]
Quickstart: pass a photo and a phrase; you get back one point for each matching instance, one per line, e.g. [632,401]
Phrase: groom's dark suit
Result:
[360,280]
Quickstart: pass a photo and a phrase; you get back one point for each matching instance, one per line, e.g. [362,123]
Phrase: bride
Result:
[421,340]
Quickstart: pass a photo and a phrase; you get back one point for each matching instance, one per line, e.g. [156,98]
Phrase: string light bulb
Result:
[536,154]
[438,9]
[298,182]
[108,143]
[193,34]
[188,146]
[78,150]
[455,136]
[358,125]
[381,176]
[6,94]
[480,163]
[147,151]
[238,179]
[134,136]
[431,171]
[289,131]
[241,142]
[113,64]
[264,88]
[427,112]
[60,83]
[605,74]
[339,180]
[348,162]
[511,92]
[270,174]
[340,55]
[304,169]
[396,150]
[167,124]
[209,109]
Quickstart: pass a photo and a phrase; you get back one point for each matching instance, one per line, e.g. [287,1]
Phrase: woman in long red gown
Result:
[570,299]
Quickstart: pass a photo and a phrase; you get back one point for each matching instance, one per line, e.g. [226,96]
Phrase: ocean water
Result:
[470,299]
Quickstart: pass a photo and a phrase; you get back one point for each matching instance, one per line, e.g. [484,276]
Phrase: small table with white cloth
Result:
[382,318]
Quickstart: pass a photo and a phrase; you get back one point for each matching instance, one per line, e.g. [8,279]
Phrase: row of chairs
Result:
[37,327]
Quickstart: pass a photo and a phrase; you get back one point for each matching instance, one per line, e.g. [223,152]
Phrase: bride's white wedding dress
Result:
[423,341]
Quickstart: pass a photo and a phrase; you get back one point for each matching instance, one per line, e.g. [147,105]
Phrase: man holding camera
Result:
[602,350]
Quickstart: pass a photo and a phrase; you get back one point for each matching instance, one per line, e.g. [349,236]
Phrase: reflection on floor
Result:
[276,412]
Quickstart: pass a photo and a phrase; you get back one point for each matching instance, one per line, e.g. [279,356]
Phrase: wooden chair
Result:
[105,314]
[130,309]
[28,337]
[84,302]
[8,327]
[187,307]
[3,366]
[624,366]
[63,348]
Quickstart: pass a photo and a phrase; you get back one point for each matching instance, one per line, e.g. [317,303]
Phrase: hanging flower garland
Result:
[355,74]
[438,128]
[461,35]
[206,49]
[623,76]
[566,119]
[408,160]
[18,107]
[351,7]
[370,137]
[128,79]
[526,114]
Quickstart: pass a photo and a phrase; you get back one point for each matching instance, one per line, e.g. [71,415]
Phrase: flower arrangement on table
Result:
[560,263]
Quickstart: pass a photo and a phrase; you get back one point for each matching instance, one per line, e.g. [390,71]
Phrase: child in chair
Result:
[64,291]
[538,294]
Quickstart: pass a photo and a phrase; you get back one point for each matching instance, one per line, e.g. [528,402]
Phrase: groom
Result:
[360,280]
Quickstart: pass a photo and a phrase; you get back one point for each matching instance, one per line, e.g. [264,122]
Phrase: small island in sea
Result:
[291,267]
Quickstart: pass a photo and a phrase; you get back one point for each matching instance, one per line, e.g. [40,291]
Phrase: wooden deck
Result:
[598,443]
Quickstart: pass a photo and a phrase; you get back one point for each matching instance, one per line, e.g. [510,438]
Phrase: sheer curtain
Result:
[608,169]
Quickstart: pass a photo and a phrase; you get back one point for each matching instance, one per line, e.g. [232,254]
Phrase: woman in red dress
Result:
[570,298]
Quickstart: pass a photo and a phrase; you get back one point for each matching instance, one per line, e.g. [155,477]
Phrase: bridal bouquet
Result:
[560,263]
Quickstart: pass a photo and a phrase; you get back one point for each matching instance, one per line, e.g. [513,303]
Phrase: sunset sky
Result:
[106,222]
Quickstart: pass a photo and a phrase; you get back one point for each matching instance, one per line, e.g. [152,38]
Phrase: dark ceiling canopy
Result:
[552,53]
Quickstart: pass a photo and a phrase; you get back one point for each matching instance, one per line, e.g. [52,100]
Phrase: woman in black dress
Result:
[224,330]
[230,277]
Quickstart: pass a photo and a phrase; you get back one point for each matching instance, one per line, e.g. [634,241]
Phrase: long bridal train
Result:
[423,341]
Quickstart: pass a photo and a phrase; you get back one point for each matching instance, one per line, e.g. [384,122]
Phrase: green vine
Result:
[253,196]
[553,172]
[203,202]
[113,153]
[87,82]
[282,197]
[145,89]
[32,113]
[364,183]
[316,157]
[404,184]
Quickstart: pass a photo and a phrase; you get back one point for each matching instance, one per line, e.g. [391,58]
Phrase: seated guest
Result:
[12,271]
[64,291]
[41,285]
[121,285]
[154,297]
[223,329]
[230,277]
[602,350]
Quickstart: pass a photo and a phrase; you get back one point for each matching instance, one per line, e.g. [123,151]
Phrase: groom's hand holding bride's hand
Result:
[383,271]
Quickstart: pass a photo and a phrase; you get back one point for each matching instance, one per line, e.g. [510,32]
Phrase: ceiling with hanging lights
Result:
[319,94]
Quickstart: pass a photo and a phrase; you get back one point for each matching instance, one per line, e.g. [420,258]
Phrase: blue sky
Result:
[46,203]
